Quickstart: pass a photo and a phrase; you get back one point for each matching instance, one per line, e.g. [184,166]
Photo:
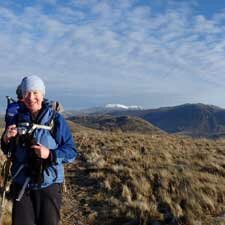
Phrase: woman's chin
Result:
[33,109]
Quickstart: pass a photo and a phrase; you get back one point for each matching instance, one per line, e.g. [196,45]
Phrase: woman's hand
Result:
[10,132]
[41,151]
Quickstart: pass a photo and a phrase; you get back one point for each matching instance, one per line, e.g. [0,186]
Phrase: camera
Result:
[23,128]
[25,134]
[26,139]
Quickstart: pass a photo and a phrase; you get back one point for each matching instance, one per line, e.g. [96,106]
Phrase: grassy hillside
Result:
[116,123]
[124,178]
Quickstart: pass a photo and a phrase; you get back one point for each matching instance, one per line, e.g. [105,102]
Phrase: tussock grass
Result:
[129,178]
[150,179]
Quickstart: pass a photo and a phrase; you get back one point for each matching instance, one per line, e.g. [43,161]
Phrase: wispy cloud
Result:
[115,50]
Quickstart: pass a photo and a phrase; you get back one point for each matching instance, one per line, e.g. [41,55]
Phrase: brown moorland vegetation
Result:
[129,178]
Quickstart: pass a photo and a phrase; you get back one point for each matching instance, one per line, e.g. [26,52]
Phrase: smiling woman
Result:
[39,152]
[33,91]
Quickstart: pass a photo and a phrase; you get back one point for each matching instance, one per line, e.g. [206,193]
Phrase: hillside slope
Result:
[147,179]
[124,178]
[116,123]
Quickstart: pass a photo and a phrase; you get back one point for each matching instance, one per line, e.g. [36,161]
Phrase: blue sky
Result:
[151,53]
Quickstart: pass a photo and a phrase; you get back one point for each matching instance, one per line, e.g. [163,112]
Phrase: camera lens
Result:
[22,130]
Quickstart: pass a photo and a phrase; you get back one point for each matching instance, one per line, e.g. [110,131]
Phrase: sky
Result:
[150,53]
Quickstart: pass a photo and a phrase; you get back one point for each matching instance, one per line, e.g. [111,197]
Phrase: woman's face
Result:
[33,100]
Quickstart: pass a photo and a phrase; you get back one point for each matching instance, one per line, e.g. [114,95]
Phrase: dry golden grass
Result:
[122,178]
[149,179]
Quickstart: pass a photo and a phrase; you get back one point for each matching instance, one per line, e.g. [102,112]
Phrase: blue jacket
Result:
[12,110]
[59,141]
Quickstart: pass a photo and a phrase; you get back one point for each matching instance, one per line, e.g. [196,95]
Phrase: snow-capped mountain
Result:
[102,109]
[120,106]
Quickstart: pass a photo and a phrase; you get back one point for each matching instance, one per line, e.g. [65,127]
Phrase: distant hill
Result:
[191,119]
[197,120]
[113,123]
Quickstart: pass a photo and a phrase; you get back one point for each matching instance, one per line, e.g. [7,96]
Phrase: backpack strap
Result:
[10,100]
[52,125]
[35,126]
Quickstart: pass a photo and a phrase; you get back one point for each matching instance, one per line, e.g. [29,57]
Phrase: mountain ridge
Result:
[196,120]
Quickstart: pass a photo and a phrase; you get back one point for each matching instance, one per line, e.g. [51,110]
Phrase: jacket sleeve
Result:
[66,151]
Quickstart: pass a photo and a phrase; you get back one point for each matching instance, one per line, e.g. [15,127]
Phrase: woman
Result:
[38,156]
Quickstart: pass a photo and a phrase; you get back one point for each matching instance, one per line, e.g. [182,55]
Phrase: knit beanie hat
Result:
[19,92]
[32,83]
